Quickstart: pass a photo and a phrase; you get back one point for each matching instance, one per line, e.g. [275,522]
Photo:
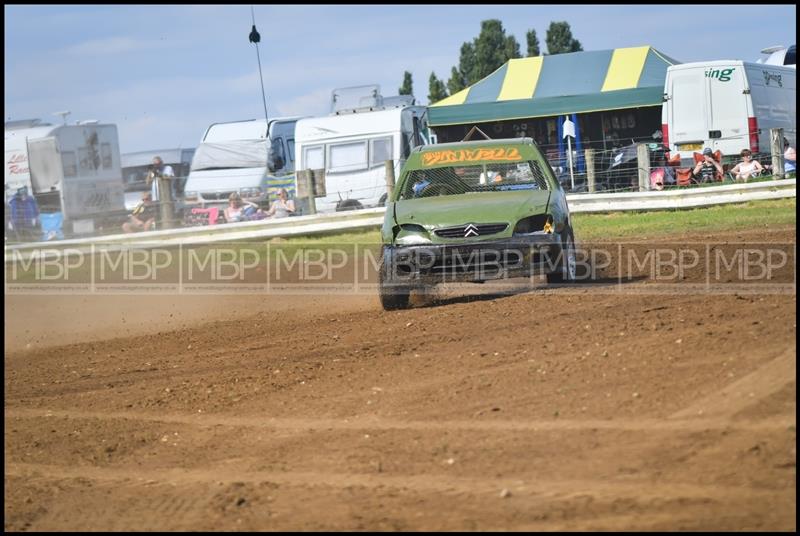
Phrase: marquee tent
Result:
[547,86]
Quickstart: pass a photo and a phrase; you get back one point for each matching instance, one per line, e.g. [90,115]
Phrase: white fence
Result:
[367,219]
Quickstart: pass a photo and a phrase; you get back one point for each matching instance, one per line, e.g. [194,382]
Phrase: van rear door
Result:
[688,109]
[728,111]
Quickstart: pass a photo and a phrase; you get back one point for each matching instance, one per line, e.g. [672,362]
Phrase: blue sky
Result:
[164,73]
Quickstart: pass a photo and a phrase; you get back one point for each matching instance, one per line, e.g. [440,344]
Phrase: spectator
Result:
[25,216]
[707,168]
[239,210]
[748,168]
[789,158]
[143,217]
[158,169]
[281,207]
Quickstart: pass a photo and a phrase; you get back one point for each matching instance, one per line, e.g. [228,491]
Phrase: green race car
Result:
[474,211]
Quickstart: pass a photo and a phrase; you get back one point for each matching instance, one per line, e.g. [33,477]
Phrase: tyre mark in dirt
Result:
[764,381]
[376,423]
[557,489]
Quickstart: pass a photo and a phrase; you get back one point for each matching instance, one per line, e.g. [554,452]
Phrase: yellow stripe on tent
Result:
[625,68]
[452,100]
[521,78]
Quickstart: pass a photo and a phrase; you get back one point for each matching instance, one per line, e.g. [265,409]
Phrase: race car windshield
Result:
[482,177]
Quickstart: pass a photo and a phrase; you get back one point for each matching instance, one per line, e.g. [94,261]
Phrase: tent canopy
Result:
[545,86]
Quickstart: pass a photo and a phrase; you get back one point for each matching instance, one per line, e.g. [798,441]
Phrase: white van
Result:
[727,106]
[250,157]
[74,170]
[353,144]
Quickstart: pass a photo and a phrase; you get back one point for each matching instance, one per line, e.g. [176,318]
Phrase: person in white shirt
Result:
[157,170]
[748,168]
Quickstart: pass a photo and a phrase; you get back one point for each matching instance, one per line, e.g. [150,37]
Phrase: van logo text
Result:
[723,75]
[772,76]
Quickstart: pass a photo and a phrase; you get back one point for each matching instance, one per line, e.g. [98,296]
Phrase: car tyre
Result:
[392,295]
[567,261]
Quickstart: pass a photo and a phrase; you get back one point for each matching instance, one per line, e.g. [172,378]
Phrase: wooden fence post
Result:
[589,153]
[777,148]
[165,202]
[389,178]
[643,164]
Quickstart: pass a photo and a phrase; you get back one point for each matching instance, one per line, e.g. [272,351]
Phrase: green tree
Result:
[512,48]
[490,49]
[436,89]
[464,74]
[559,39]
[533,43]
[408,85]
[456,82]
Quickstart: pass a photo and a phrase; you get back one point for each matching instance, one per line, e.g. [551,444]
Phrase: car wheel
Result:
[392,295]
[567,262]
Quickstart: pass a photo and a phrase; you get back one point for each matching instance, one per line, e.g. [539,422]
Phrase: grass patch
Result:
[753,214]
[750,215]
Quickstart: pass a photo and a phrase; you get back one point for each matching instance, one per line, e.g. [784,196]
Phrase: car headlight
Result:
[532,224]
[190,196]
[411,234]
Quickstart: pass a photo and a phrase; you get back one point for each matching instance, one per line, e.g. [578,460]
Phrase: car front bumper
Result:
[518,256]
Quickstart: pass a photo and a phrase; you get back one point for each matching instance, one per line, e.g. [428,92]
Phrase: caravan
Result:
[353,143]
[251,158]
[727,106]
[74,170]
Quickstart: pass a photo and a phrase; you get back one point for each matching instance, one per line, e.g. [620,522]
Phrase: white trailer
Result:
[72,169]
[352,145]
[727,106]
[249,157]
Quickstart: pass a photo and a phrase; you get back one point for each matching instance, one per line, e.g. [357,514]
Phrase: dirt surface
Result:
[602,407]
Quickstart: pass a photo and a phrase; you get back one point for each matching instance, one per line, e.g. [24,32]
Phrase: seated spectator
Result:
[789,158]
[240,210]
[707,169]
[748,168]
[143,217]
[281,207]
[24,216]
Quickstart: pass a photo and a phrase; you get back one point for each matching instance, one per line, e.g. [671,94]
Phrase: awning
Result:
[545,86]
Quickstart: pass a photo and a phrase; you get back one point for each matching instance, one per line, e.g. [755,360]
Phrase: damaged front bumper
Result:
[518,256]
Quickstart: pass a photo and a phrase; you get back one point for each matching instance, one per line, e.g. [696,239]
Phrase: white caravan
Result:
[248,157]
[136,166]
[727,106]
[72,169]
[780,55]
[353,144]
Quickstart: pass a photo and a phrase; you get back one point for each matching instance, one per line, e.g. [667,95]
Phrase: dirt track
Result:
[556,409]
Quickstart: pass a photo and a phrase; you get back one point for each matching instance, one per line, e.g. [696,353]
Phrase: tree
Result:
[436,89]
[533,43]
[490,49]
[512,48]
[464,74]
[559,39]
[408,85]
[456,82]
